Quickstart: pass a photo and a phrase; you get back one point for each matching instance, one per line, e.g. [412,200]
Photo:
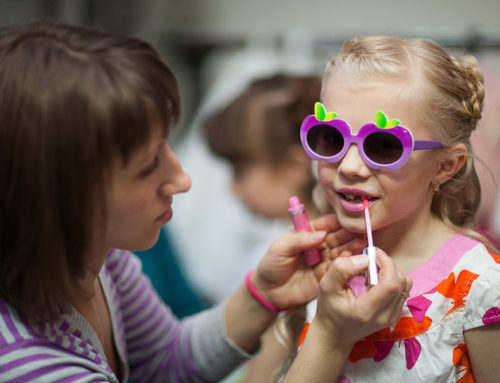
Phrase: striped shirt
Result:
[152,344]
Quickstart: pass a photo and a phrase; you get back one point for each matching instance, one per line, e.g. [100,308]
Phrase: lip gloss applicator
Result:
[370,250]
[299,219]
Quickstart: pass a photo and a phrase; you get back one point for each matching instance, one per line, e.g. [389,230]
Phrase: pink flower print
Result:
[343,379]
[379,345]
[492,316]
[412,352]
[383,349]
[418,307]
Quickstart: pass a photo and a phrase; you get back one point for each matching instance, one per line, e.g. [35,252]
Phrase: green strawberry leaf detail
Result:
[321,114]
[392,124]
[319,111]
[330,116]
[380,119]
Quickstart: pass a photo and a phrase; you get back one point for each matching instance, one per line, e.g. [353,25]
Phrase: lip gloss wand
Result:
[370,250]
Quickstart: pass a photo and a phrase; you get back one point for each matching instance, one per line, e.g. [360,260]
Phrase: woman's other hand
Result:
[283,277]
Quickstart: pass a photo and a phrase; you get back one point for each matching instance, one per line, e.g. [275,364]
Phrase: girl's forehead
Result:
[358,103]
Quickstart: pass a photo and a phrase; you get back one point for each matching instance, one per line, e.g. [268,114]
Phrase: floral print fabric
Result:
[427,344]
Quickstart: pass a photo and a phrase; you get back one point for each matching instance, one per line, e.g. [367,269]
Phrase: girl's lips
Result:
[352,200]
[351,207]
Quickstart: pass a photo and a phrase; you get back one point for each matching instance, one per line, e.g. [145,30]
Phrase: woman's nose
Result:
[352,165]
[177,180]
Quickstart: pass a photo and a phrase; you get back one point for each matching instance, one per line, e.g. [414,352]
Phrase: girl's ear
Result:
[451,163]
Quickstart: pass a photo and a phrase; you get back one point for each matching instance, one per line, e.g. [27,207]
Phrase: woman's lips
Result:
[166,216]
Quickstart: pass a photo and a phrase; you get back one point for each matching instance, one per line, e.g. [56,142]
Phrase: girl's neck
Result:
[410,244]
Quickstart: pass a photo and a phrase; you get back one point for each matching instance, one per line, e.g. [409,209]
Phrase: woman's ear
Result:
[451,163]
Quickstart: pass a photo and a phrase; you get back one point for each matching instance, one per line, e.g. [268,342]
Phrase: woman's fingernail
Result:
[360,260]
[317,235]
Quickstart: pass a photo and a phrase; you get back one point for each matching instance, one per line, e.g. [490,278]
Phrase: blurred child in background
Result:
[257,133]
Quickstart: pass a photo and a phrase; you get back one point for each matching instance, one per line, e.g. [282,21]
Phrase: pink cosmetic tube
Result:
[301,223]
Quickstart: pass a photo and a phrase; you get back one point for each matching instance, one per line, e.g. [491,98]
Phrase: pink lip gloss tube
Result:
[301,223]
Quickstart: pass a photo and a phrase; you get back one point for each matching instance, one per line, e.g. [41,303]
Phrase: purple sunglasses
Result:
[384,144]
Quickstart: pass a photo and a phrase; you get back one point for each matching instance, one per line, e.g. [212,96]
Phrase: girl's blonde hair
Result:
[448,91]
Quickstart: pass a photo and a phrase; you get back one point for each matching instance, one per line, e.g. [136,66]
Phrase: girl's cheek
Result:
[325,175]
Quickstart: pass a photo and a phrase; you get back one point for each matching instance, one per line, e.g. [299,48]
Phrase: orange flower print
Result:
[303,334]
[380,344]
[461,362]
[457,290]
[495,257]
[363,349]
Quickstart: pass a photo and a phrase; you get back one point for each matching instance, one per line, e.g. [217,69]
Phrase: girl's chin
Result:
[354,225]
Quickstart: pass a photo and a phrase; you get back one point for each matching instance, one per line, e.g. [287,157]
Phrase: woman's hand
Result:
[284,279]
[345,318]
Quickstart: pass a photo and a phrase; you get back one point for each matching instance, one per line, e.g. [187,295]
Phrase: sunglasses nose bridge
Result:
[352,165]
[353,162]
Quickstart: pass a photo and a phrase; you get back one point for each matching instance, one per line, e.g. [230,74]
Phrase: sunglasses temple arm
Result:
[422,144]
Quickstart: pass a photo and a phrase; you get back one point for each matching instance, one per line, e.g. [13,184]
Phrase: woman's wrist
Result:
[246,318]
[258,296]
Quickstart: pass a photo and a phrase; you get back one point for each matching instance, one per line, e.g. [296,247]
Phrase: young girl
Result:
[395,130]
[87,175]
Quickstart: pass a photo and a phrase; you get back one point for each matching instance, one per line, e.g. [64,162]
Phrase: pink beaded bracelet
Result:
[256,294]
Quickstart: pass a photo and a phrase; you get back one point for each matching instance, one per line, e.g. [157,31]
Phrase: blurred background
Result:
[216,47]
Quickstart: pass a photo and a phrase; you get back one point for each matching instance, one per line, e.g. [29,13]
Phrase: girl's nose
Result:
[352,165]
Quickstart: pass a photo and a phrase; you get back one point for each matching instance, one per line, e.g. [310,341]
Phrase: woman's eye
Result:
[156,162]
[150,169]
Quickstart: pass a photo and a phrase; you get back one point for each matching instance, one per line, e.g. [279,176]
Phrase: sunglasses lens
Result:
[325,140]
[382,148]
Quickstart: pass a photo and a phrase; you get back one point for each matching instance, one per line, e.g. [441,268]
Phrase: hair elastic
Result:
[256,294]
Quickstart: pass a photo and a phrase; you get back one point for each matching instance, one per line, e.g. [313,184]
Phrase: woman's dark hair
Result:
[72,101]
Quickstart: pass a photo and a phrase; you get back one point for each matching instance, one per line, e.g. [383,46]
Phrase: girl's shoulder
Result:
[478,274]
[457,254]
[467,289]
[476,257]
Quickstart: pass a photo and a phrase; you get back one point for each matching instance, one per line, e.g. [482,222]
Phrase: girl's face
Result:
[398,199]
[139,199]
